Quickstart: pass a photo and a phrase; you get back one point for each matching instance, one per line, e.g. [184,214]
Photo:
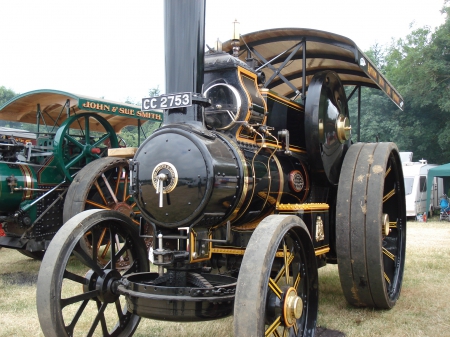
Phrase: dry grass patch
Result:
[422,309]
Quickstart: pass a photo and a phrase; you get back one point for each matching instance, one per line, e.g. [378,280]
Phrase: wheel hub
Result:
[293,307]
[103,284]
[123,208]
[385,224]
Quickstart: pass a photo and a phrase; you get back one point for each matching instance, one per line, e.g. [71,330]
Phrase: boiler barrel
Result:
[21,177]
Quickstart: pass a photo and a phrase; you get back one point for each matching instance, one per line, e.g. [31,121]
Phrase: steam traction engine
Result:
[62,168]
[251,184]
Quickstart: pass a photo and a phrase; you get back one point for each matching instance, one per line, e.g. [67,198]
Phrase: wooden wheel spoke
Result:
[276,333]
[136,222]
[97,205]
[388,254]
[389,195]
[275,288]
[128,197]
[125,188]
[392,224]
[78,298]
[100,192]
[119,176]
[105,251]
[108,186]
[273,326]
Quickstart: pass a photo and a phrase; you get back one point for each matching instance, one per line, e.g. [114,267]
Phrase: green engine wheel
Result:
[77,145]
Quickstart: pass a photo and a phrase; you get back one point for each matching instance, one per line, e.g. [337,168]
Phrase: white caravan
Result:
[415,174]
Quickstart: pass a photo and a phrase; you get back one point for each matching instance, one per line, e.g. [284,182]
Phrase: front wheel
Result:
[76,296]
[277,288]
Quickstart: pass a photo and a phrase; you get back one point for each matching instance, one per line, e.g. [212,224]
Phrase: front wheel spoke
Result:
[112,239]
[273,327]
[102,307]
[74,277]
[286,263]
[88,261]
[78,298]
[131,268]
[282,270]
[98,317]
[122,249]
[389,195]
[77,316]
[297,281]
[392,224]
[296,328]
[119,309]
[388,254]
[108,186]
[275,288]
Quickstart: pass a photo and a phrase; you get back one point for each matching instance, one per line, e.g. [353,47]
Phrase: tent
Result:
[441,171]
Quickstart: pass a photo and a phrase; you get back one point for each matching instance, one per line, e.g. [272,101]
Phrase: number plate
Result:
[170,101]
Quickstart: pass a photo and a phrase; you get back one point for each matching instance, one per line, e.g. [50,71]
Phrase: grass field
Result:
[422,309]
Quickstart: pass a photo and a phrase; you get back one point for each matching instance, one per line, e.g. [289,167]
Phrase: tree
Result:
[130,133]
[419,68]
[5,95]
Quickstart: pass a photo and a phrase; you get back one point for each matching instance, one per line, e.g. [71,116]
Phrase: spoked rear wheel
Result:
[76,296]
[103,184]
[371,225]
[277,289]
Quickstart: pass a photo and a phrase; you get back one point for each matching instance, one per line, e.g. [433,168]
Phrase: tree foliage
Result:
[419,68]
[130,133]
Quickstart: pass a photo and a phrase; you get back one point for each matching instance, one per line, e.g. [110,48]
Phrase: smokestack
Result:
[184,29]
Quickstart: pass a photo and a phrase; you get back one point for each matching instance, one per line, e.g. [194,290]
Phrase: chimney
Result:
[184,44]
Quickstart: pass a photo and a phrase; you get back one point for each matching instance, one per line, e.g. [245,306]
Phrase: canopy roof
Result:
[53,107]
[294,51]
[438,171]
